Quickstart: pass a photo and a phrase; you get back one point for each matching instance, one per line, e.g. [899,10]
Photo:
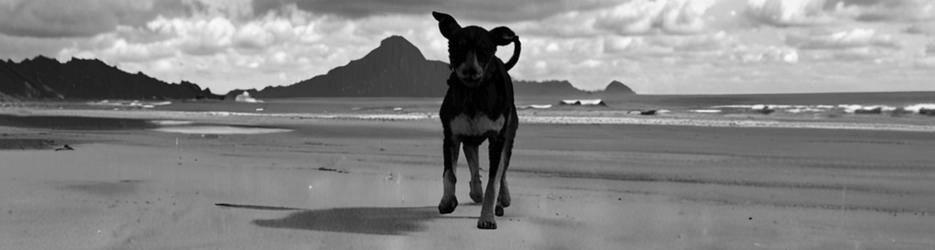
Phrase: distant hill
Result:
[549,87]
[563,87]
[616,87]
[395,68]
[398,68]
[46,78]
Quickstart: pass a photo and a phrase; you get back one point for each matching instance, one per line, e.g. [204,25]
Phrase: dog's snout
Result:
[473,73]
[470,69]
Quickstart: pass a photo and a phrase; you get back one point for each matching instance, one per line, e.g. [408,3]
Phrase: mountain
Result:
[563,87]
[47,78]
[549,87]
[396,68]
[616,87]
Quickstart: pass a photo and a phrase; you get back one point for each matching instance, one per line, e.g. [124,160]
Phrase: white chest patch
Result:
[476,125]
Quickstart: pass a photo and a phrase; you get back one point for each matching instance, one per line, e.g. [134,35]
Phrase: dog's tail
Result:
[515,58]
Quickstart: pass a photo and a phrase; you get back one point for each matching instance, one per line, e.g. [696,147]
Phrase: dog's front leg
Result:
[497,160]
[503,199]
[470,154]
[449,201]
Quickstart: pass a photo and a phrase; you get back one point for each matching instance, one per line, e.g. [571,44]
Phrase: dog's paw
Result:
[504,198]
[498,210]
[477,192]
[447,205]
[486,223]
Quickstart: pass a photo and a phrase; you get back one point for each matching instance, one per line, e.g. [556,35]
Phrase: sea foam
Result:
[219,129]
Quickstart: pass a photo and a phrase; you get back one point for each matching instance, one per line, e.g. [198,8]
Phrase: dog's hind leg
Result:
[497,155]
[470,154]
[449,201]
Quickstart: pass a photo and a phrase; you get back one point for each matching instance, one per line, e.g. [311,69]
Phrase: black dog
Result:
[478,106]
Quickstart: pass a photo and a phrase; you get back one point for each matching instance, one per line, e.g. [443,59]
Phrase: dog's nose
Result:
[470,71]
[473,73]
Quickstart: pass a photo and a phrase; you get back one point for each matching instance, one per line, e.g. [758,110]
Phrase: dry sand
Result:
[347,184]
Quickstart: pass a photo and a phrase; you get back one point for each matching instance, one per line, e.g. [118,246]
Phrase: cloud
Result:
[493,11]
[846,39]
[237,9]
[669,45]
[566,17]
[644,16]
[18,47]
[788,12]
[820,12]
[567,25]
[846,45]
[885,10]
[926,28]
[631,18]
[51,18]
[196,36]
[765,54]
[927,59]
[227,51]
[661,46]
[117,49]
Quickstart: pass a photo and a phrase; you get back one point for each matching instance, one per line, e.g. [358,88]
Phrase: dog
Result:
[478,107]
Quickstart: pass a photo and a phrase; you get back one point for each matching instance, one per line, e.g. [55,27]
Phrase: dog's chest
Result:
[478,124]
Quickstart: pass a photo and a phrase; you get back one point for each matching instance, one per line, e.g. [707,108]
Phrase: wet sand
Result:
[354,184]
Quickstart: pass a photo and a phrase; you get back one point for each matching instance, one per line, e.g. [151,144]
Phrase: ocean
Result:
[898,111]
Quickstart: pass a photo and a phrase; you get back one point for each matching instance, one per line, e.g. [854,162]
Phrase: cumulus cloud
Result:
[571,24]
[495,11]
[883,10]
[818,12]
[845,39]
[643,16]
[118,49]
[928,59]
[196,36]
[846,45]
[51,18]
[677,45]
[279,47]
[765,54]
[924,28]
[637,17]
[789,12]
[661,45]
[18,47]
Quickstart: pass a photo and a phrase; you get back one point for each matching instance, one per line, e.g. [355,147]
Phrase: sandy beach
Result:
[375,184]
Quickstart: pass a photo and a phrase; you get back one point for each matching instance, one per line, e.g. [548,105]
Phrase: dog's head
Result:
[472,49]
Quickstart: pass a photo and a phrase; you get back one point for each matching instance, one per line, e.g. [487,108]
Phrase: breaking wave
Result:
[171,122]
[220,130]
[846,108]
[129,103]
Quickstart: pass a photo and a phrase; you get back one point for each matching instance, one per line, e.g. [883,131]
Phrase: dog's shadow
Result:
[365,220]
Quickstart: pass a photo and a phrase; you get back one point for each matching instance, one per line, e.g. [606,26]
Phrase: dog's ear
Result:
[446,24]
[502,35]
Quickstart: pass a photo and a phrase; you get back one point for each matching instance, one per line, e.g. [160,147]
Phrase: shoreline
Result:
[525,118]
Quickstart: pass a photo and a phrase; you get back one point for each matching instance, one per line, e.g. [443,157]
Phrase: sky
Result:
[653,46]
